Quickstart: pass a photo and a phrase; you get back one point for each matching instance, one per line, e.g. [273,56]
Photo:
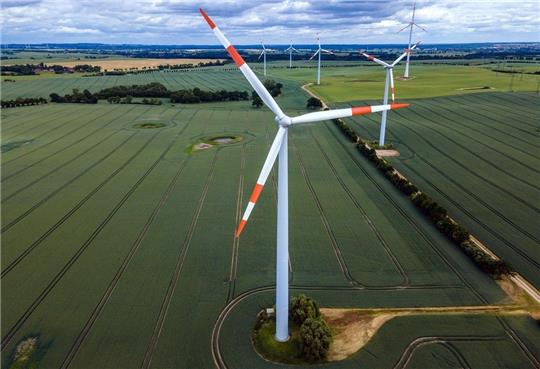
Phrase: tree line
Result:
[22,101]
[34,69]
[435,212]
[155,90]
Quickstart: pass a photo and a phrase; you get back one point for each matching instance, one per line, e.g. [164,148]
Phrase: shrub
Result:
[302,308]
[313,103]
[315,339]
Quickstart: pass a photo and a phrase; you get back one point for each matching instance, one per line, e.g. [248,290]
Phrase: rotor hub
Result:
[283,121]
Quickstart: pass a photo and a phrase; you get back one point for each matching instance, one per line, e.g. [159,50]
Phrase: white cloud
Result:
[246,21]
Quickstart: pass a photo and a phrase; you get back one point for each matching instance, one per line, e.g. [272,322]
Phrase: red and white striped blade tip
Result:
[207,18]
[399,106]
[240,228]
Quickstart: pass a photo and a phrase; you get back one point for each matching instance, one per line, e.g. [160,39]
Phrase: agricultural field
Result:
[428,80]
[477,155]
[52,57]
[118,247]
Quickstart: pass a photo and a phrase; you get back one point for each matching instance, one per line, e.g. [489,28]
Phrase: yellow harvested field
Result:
[112,64]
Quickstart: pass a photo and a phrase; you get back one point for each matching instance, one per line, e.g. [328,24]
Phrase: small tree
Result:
[256,100]
[302,308]
[314,103]
[315,338]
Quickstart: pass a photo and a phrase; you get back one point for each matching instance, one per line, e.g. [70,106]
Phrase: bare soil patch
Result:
[353,330]
[387,153]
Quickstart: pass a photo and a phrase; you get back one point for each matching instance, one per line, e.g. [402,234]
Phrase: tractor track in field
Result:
[374,229]
[480,112]
[77,206]
[324,220]
[481,178]
[477,156]
[120,271]
[152,344]
[50,118]
[489,118]
[6,227]
[219,361]
[521,113]
[407,355]
[58,139]
[474,218]
[20,189]
[39,299]
[427,238]
[236,240]
[5,178]
[484,113]
[470,193]
[478,199]
[505,143]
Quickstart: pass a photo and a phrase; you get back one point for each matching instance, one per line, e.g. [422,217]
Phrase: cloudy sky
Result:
[280,21]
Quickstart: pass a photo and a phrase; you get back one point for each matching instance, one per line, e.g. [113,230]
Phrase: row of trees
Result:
[85,97]
[18,70]
[129,100]
[196,95]
[22,101]
[87,68]
[431,209]
[154,91]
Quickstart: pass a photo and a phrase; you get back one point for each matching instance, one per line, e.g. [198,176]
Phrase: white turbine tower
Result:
[319,51]
[279,146]
[290,49]
[263,54]
[389,68]
[411,25]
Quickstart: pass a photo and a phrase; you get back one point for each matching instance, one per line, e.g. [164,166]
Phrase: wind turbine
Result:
[389,68]
[263,54]
[279,146]
[411,25]
[319,51]
[290,49]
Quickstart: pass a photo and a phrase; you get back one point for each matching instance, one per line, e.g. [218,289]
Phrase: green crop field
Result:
[118,247]
[367,81]
[477,155]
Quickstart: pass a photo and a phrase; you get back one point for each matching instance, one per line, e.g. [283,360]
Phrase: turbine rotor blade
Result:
[244,68]
[422,28]
[374,59]
[262,53]
[263,176]
[407,51]
[327,51]
[344,113]
[314,55]
[404,28]
[392,84]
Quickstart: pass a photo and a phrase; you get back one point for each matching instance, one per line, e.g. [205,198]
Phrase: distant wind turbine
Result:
[290,49]
[280,147]
[389,68]
[319,51]
[410,26]
[263,54]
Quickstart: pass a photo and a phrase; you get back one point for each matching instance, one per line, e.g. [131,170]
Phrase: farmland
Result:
[477,156]
[118,247]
